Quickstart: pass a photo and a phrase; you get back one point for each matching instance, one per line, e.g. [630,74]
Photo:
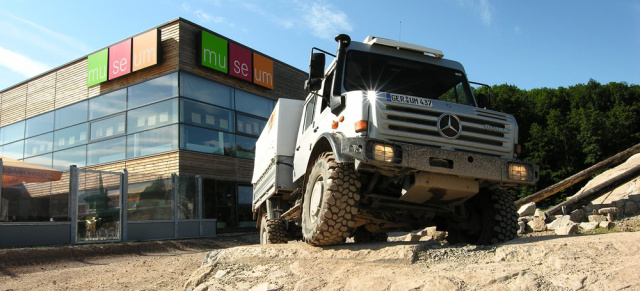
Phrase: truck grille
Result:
[483,131]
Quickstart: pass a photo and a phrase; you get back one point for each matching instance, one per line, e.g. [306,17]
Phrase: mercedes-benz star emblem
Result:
[449,126]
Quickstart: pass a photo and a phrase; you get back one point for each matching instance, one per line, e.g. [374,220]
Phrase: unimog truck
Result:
[389,138]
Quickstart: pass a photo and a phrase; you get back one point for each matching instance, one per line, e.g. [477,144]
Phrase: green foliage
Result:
[567,130]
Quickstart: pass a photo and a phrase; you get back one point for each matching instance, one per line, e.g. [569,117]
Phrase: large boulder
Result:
[528,209]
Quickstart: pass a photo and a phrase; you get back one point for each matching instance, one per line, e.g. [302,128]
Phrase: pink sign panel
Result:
[240,62]
[120,59]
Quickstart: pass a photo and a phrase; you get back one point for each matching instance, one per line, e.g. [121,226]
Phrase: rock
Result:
[630,208]
[266,287]
[540,213]
[431,233]
[220,274]
[588,225]
[561,221]
[577,215]
[619,203]
[589,208]
[537,224]
[528,209]
[611,212]
[412,237]
[522,227]
[567,229]
[605,224]
[635,198]
[597,218]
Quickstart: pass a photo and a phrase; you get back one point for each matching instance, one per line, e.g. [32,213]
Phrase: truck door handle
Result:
[316,129]
[298,148]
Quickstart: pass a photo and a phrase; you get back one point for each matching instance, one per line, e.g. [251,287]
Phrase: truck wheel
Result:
[330,202]
[272,231]
[491,218]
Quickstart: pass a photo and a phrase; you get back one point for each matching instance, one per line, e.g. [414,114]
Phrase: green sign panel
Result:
[215,53]
[97,67]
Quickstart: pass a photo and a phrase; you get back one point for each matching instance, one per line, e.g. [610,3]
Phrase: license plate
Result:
[409,100]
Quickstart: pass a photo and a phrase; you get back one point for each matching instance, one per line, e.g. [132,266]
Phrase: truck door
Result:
[305,138]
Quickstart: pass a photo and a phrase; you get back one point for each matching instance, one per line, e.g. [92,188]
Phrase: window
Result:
[153,90]
[70,136]
[249,125]
[375,72]
[13,150]
[108,104]
[43,160]
[152,142]
[40,124]
[245,147]
[199,114]
[73,156]
[150,200]
[207,141]
[205,91]
[107,127]
[11,133]
[253,104]
[308,113]
[156,115]
[70,115]
[106,151]
[38,145]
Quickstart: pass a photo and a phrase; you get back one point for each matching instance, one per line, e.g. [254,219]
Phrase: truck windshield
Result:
[374,72]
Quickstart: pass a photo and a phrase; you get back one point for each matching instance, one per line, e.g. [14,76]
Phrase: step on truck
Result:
[389,138]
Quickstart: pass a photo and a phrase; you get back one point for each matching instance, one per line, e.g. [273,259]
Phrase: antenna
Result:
[400,34]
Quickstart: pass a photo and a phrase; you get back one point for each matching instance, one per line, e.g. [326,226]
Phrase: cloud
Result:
[206,17]
[42,37]
[481,8]
[324,20]
[21,64]
[318,18]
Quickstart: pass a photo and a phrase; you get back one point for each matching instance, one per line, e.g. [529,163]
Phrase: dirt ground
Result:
[163,265]
[598,261]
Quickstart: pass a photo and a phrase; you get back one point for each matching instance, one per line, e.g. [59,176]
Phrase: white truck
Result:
[389,138]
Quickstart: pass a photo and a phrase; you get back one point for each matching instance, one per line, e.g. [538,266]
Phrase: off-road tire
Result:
[330,201]
[272,231]
[492,219]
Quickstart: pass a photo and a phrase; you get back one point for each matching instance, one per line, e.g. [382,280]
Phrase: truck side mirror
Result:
[316,66]
[316,72]
[483,100]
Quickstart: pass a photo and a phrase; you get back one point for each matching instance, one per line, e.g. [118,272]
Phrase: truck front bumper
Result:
[399,159]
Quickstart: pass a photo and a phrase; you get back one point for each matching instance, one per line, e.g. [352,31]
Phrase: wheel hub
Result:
[316,199]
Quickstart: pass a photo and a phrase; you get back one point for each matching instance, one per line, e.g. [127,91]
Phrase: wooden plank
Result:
[585,197]
[582,175]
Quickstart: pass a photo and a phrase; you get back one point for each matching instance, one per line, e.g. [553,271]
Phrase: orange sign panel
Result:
[262,71]
[145,50]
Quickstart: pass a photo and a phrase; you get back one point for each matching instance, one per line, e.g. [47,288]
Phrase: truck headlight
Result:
[520,172]
[383,153]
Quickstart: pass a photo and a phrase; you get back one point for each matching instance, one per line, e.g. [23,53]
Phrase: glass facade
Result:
[171,112]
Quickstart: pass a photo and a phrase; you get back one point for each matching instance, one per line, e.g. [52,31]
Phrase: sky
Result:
[529,44]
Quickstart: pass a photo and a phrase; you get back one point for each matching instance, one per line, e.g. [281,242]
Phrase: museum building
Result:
[149,138]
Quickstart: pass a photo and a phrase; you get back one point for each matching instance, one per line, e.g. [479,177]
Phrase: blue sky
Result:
[529,44]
